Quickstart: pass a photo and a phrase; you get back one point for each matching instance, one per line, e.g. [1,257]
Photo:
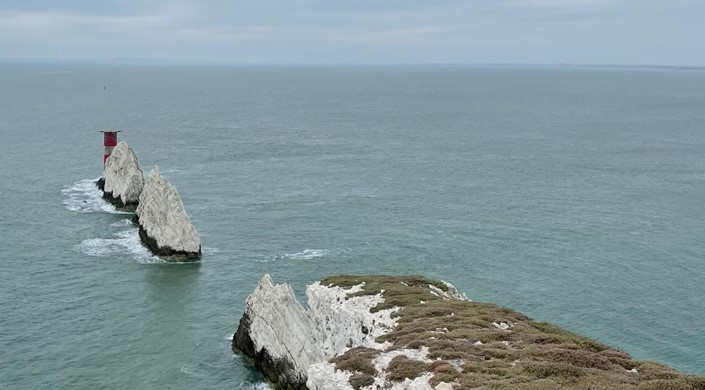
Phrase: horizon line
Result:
[155,62]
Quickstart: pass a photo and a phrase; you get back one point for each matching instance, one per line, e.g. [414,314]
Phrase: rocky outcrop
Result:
[292,346]
[164,227]
[279,334]
[411,333]
[122,180]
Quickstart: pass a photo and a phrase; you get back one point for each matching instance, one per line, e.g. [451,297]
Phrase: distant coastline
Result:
[167,62]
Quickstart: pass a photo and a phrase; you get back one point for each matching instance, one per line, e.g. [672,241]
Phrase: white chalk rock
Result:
[278,333]
[164,226]
[347,321]
[324,375]
[292,345]
[123,179]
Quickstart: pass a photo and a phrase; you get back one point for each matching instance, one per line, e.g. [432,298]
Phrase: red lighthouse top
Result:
[109,141]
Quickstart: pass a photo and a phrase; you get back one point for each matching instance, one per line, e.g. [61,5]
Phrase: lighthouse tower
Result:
[109,141]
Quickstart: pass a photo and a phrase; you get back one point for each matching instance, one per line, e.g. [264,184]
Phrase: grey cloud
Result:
[359,31]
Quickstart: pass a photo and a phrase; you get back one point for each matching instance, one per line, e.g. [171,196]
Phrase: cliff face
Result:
[279,334]
[293,346]
[408,332]
[123,180]
[164,226]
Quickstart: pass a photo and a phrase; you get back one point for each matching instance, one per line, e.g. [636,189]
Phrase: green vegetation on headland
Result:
[483,346]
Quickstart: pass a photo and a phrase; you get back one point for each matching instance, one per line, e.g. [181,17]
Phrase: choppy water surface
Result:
[574,196]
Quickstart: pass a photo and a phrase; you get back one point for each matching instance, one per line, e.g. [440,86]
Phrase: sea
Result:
[573,195]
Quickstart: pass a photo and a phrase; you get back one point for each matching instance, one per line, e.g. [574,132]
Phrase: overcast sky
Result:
[657,32]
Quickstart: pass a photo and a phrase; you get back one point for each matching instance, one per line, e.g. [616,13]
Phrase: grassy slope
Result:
[528,355]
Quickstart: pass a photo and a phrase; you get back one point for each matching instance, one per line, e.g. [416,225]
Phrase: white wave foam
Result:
[125,243]
[85,197]
[122,223]
[192,370]
[254,386]
[208,250]
[307,254]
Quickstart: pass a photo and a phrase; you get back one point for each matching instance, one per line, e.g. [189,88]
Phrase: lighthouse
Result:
[109,141]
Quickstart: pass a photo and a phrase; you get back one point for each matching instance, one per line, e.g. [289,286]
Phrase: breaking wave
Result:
[255,386]
[85,197]
[122,243]
[307,254]
[208,250]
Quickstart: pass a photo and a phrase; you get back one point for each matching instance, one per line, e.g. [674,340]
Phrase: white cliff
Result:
[279,333]
[123,180]
[293,346]
[164,226]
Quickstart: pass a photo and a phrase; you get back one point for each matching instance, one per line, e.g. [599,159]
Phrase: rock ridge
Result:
[123,179]
[164,226]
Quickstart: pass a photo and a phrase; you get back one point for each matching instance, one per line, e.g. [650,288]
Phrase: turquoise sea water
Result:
[574,196]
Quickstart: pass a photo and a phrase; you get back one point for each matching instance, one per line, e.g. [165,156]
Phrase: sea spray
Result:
[84,197]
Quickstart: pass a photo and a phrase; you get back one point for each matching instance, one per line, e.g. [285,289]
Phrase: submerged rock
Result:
[123,179]
[408,332]
[164,227]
